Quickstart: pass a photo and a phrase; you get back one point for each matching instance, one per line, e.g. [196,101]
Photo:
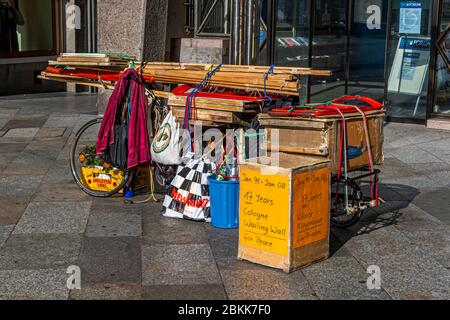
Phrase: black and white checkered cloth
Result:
[188,195]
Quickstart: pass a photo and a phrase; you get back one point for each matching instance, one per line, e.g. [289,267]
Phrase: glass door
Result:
[441,106]
[409,48]
[329,48]
[368,48]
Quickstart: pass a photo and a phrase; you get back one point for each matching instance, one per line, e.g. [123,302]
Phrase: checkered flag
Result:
[188,194]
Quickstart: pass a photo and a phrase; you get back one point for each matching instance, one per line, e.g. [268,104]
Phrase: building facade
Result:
[391,50]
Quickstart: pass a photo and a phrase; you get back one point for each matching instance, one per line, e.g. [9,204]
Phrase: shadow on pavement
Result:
[396,197]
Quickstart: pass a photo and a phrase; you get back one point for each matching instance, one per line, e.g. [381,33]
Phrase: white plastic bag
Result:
[166,146]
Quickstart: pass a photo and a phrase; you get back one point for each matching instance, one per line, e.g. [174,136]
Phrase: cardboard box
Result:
[285,212]
[321,137]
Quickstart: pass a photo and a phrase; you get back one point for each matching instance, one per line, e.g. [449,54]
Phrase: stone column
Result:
[155,31]
[135,27]
[120,26]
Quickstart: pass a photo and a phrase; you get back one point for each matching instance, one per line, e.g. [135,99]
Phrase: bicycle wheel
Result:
[345,216]
[89,171]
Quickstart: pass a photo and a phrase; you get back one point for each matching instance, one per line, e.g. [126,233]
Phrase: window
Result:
[27,28]
[212,17]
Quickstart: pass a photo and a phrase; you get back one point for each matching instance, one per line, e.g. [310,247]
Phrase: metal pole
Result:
[249,13]
[257,31]
[235,34]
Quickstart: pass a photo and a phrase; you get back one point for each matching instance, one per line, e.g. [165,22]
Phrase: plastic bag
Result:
[188,194]
[166,145]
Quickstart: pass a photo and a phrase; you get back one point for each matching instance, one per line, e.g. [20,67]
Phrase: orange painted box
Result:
[284,211]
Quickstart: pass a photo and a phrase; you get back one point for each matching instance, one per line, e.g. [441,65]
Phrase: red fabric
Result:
[329,108]
[138,141]
[183,91]
[91,74]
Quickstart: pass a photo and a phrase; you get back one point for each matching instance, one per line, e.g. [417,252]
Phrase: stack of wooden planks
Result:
[104,70]
[94,60]
[214,111]
[280,80]
[274,80]
[90,69]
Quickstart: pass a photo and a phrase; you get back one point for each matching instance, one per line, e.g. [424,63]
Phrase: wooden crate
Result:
[285,212]
[321,137]
[216,116]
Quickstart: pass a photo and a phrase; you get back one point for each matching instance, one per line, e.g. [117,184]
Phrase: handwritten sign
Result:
[311,207]
[264,211]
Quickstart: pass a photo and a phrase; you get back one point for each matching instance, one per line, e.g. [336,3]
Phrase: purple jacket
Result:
[138,140]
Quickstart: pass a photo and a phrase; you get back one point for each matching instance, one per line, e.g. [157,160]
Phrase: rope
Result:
[369,150]
[342,156]
[152,191]
[266,77]
[190,100]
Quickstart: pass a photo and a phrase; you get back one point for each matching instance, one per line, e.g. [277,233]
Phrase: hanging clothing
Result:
[131,86]
[10,18]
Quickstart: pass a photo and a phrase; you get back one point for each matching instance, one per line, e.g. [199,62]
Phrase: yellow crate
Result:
[285,212]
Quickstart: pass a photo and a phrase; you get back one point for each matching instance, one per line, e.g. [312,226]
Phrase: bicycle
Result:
[97,178]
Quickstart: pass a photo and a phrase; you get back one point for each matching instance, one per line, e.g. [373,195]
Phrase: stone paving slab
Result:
[47,284]
[7,113]
[417,182]
[266,284]
[5,232]
[19,186]
[59,173]
[106,221]
[7,148]
[403,264]
[435,202]
[191,264]
[6,159]
[395,168]
[3,122]
[34,120]
[30,251]
[54,218]
[22,169]
[60,192]
[62,121]
[341,278]
[21,133]
[188,292]
[50,133]
[173,231]
[12,209]
[405,280]
[114,260]
[107,292]
[224,246]
[132,252]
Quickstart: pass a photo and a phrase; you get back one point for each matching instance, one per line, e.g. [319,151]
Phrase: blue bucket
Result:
[224,200]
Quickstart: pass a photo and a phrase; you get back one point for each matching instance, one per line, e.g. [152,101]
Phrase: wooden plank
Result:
[81,82]
[209,106]
[233,68]
[206,115]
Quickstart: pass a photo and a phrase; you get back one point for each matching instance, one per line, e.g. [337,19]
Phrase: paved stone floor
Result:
[131,252]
